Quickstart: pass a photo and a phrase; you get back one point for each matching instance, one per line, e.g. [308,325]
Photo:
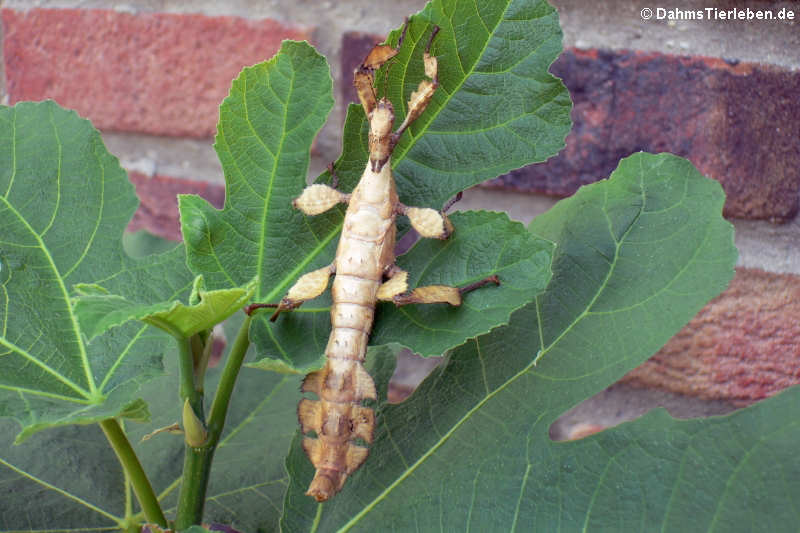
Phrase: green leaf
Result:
[80,485]
[248,480]
[497,107]
[142,243]
[474,252]
[266,126]
[636,257]
[309,363]
[64,202]
[97,311]
[65,477]
[520,260]
[257,234]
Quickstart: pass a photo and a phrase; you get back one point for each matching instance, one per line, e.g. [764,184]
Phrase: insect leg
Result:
[430,294]
[395,290]
[396,284]
[429,223]
[318,198]
[309,286]
[434,294]
[364,75]
[422,96]
[452,201]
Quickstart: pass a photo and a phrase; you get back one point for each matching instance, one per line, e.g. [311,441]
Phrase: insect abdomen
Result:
[365,248]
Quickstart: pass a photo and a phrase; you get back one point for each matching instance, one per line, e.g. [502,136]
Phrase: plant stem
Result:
[194,482]
[197,460]
[141,485]
[188,388]
[219,408]
[201,351]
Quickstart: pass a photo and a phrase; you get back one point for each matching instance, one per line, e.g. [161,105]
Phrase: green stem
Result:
[219,408]
[189,388]
[194,482]
[201,351]
[130,463]
[197,460]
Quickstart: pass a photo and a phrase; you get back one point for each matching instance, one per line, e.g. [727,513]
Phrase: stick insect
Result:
[365,272]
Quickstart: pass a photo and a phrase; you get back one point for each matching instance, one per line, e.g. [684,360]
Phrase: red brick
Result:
[157,73]
[739,123]
[158,207]
[742,347]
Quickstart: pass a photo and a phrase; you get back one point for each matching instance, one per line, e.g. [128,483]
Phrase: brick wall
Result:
[724,95]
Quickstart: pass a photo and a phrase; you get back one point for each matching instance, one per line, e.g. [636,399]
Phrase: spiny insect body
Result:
[365,272]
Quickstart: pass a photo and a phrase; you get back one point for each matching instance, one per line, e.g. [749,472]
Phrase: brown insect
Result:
[365,272]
